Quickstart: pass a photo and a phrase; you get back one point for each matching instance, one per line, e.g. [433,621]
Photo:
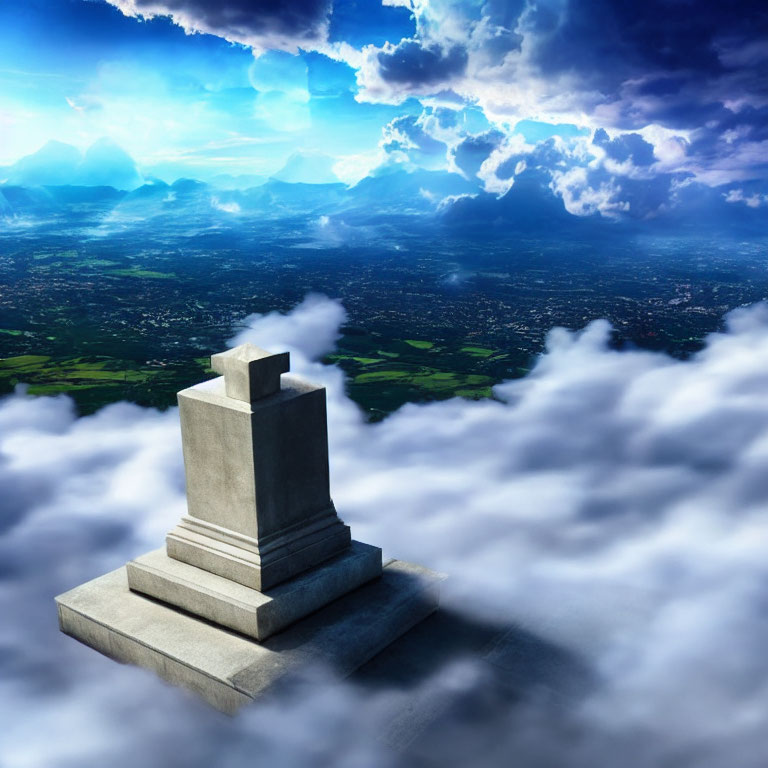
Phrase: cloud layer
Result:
[687,80]
[262,25]
[629,65]
[613,503]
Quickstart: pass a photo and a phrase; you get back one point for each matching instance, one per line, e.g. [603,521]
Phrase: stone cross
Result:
[256,461]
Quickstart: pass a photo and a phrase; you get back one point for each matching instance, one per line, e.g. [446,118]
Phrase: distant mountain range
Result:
[59,181]
[38,186]
[105,164]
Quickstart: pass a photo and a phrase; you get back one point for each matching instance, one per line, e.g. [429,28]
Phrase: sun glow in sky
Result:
[180,104]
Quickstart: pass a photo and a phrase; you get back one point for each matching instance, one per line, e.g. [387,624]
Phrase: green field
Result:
[385,373]
[22,363]
[142,273]
[428,379]
[477,351]
[92,381]
[43,255]
[382,371]
[417,344]
[41,369]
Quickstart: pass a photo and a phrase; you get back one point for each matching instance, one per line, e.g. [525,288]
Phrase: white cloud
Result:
[738,196]
[353,168]
[511,148]
[310,330]
[260,26]
[583,198]
[226,207]
[613,503]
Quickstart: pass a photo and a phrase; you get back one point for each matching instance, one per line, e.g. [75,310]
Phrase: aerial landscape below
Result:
[106,309]
[520,247]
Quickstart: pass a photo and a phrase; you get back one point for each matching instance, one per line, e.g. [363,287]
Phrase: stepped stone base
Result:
[228,669]
[239,558]
[246,610]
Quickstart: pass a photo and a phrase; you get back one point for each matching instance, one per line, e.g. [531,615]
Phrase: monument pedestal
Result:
[246,610]
[254,563]
[261,576]
[229,669]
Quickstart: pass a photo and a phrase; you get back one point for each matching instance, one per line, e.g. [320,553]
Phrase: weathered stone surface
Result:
[258,498]
[255,468]
[254,613]
[227,668]
[250,372]
[250,563]
[350,631]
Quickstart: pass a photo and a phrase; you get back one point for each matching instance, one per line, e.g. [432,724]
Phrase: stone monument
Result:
[261,576]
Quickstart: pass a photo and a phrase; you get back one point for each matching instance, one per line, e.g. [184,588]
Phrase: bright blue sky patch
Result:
[533,131]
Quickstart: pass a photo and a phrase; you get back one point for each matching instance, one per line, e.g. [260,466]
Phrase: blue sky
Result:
[622,108]
[75,71]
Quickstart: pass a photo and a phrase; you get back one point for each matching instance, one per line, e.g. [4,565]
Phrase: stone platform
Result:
[246,610]
[227,668]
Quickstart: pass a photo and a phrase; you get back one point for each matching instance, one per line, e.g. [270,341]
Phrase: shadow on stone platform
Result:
[452,672]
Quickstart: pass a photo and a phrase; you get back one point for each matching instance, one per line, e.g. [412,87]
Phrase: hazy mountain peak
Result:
[105,164]
[55,163]
[308,168]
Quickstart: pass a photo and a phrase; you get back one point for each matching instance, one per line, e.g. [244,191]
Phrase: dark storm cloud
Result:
[675,92]
[407,134]
[678,64]
[472,152]
[619,196]
[415,64]
[668,41]
[690,67]
[261,24]
[628,146]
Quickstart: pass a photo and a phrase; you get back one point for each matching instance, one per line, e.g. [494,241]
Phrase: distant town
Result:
[133,312]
